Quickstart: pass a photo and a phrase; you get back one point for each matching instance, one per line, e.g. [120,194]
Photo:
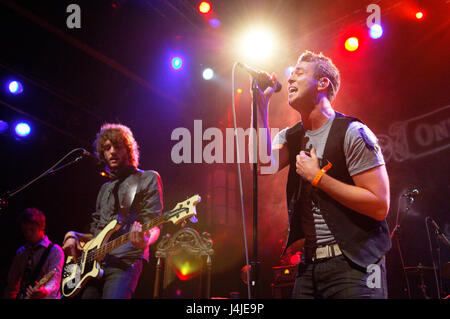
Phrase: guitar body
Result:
[76,275]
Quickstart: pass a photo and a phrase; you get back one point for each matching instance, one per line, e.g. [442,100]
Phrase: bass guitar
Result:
[76,274]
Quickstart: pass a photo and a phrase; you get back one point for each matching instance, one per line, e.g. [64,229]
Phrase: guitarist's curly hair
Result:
[118,134]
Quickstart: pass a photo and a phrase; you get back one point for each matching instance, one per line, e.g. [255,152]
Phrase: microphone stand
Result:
[396,232]
[435,269]
[4,198]
[255,263]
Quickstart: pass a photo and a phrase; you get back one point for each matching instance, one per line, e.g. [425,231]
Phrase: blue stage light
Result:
[23,129]
[3,127]
[177,63]
[215,23]
[376,31]
[15,87]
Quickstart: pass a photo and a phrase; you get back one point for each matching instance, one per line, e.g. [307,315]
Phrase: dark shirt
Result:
[54,262]
[147,205]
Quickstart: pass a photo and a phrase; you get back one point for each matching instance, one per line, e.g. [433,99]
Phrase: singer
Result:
[337,188]
[116,146]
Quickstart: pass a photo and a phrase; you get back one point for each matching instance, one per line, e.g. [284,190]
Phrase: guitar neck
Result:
[125,238]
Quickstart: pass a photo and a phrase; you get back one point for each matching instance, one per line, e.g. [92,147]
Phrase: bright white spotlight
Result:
[376,31]
[23,129]
[15,87]
[258,44]
[208,74]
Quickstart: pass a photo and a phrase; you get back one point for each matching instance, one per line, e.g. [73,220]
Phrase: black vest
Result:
[362,239]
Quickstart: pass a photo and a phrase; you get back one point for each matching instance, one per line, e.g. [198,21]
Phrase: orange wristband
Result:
[320,174]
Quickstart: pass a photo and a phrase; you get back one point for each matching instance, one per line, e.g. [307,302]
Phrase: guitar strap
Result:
[37,269]
[41,263]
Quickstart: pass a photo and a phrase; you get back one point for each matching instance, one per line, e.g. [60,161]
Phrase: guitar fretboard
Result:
[100,252]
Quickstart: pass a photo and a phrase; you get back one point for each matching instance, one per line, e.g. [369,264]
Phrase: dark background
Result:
[117,68]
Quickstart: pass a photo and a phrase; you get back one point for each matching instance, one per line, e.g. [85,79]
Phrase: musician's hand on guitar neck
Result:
[140,239]
[36,293]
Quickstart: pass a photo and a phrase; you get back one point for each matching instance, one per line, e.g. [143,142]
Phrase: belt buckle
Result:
[321,252]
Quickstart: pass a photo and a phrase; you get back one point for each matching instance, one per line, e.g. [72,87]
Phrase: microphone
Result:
[439,231]
[261,77]
[412,194]
[91,156]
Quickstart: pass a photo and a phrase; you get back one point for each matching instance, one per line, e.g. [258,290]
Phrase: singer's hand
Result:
[307,165]
[264,97]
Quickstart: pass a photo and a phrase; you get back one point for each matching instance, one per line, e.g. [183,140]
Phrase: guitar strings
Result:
[96,253]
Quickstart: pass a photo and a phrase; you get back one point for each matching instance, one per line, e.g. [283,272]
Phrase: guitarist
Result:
[116,146]
[37,258]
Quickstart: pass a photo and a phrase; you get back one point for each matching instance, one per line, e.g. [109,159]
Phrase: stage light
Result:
[185,269]
[419,15]
[239,91]
[22,129]
[204,7]
[215,23]
[351,44]
[177,63]
[15,87]
[185,264]
[257,44]
[376,31]
[208,74]
[3,127]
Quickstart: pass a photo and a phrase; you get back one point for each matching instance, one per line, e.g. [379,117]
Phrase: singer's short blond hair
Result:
[324,67]
[118,134]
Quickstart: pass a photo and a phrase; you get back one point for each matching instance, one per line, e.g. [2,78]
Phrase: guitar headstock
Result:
[183,210]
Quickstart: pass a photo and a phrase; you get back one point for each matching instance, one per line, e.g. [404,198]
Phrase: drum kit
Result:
[426,271]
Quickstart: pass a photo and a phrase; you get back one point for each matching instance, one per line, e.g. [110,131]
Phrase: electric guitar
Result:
[40,283]
[75,275]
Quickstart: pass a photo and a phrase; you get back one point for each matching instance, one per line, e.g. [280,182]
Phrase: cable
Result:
[240,182]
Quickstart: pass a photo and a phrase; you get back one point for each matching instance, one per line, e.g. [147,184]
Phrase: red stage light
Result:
[204,7]
[351,44]
[419,15]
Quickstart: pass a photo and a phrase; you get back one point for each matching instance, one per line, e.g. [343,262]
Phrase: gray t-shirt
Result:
[361,152]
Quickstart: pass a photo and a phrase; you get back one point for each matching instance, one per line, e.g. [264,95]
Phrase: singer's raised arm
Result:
[272,157]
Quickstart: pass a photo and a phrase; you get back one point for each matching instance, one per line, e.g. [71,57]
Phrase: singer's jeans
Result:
[339,278]
[118,282]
